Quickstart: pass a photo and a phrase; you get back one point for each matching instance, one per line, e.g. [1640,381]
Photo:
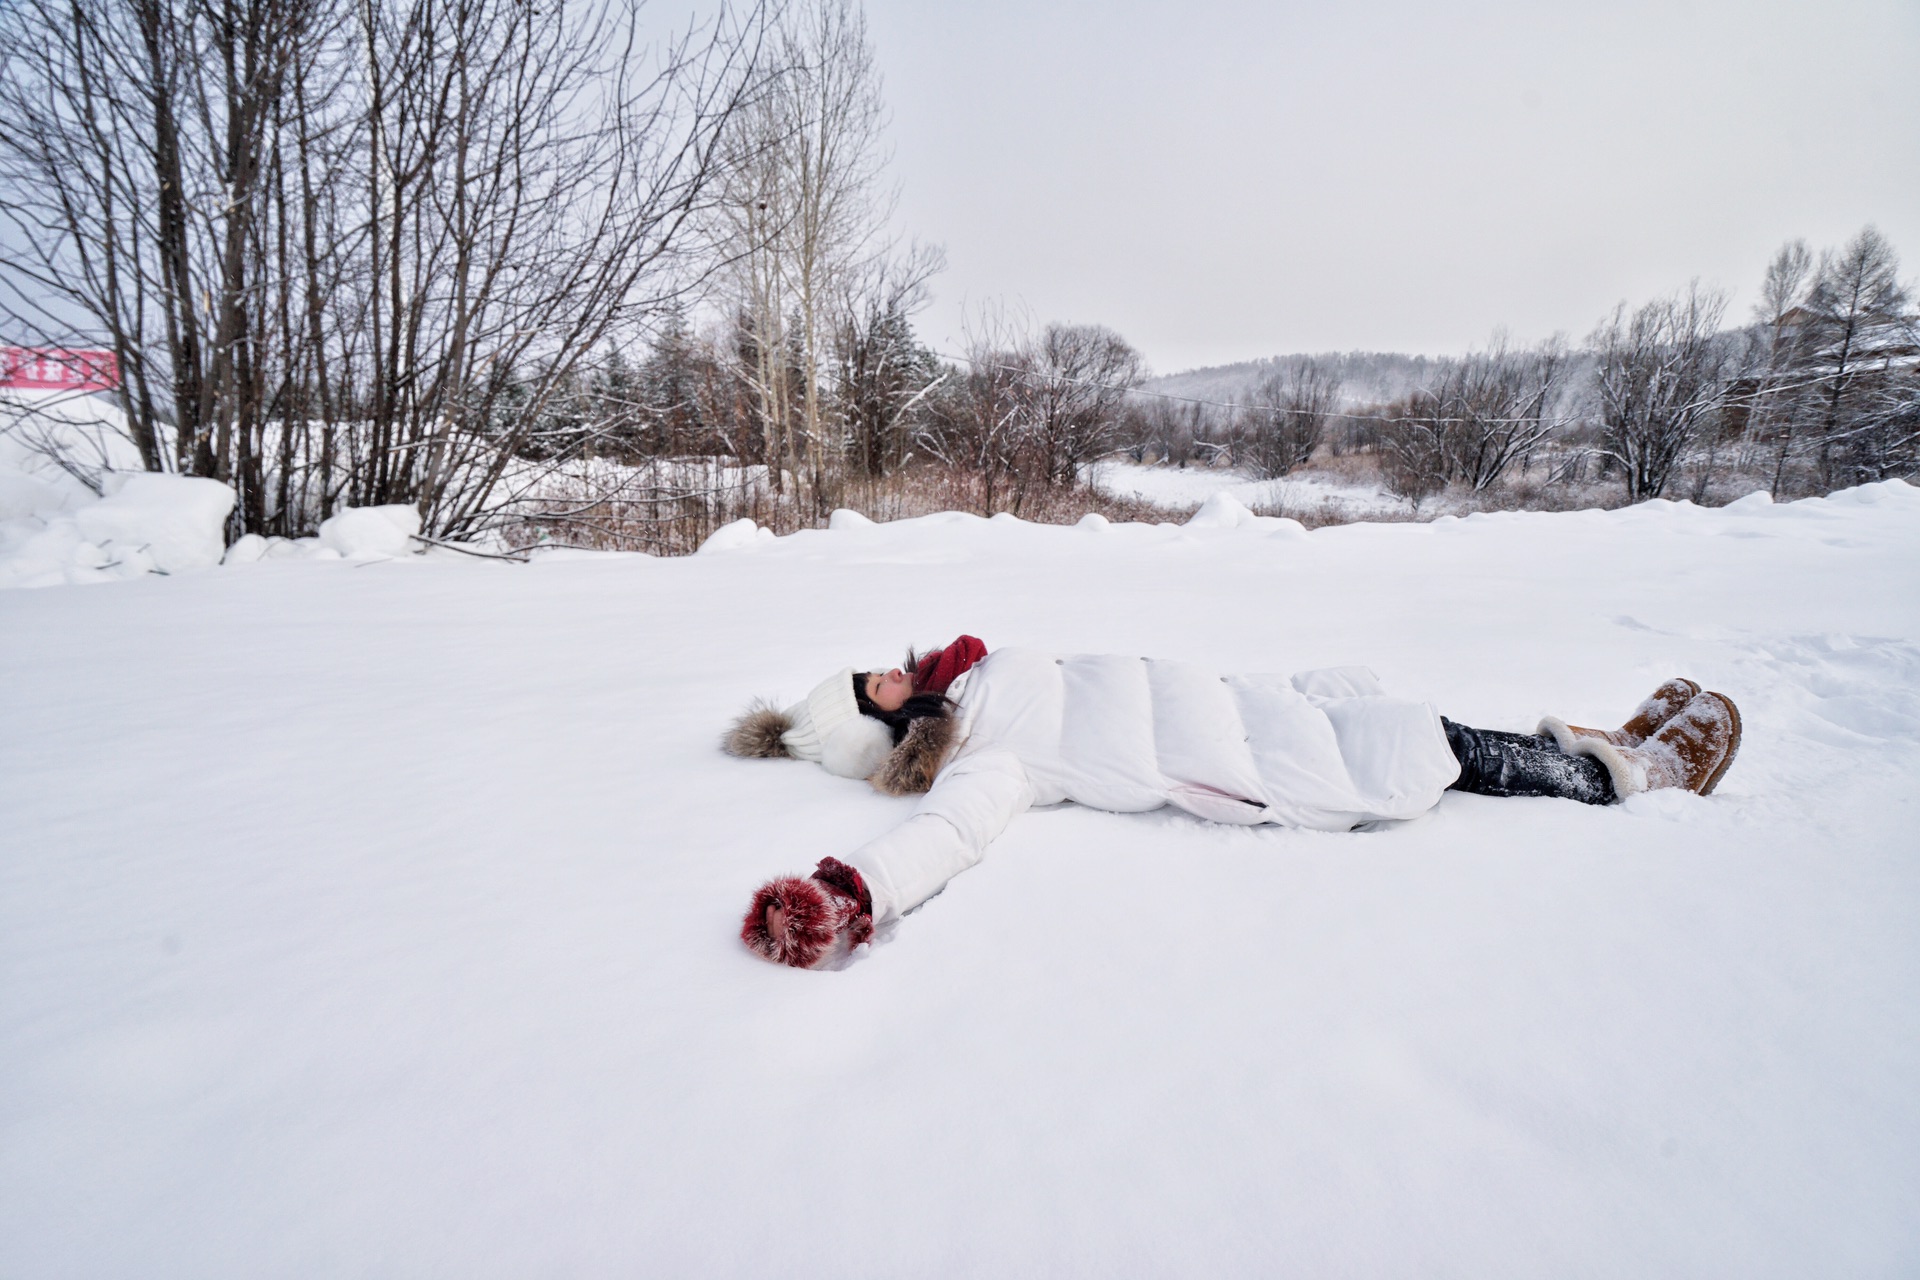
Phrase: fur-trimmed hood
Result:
[909,768]
[761,733]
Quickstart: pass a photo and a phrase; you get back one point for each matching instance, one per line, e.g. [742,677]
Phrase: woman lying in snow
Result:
[987,737]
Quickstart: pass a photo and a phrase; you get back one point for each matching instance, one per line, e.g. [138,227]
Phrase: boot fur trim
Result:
[756,734]
[909,768]
[1626,768]
[1563,736]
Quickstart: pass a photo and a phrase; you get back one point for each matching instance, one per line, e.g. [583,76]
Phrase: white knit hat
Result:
[829,730]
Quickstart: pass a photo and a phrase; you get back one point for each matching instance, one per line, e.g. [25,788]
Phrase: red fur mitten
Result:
[806,922]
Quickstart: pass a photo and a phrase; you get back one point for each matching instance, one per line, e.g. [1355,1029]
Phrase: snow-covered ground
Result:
[378,918]
[1295,495]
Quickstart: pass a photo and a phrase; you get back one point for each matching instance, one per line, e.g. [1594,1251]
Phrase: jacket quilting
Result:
[1326,750]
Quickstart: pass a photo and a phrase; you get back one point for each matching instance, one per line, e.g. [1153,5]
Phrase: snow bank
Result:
[735,536]
[23,495]
[1224,511]
[362,532]
[178,521]
[151,523]
[101,518]
[145,524]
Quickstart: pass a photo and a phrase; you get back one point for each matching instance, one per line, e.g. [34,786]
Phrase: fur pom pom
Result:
[756,734]
[810,920]
[909,768]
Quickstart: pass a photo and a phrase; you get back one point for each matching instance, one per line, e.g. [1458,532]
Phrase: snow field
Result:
[380,919]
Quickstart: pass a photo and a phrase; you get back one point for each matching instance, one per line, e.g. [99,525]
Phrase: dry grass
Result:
[677,523]
[669,523]
[1349,467]
[920,491]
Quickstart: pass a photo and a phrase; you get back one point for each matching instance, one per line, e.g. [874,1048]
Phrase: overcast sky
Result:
[1225,179]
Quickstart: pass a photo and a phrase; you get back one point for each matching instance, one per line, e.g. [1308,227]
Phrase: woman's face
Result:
[889,690]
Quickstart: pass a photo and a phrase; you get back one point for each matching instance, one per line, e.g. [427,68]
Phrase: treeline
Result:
[1820,389]
[894,426]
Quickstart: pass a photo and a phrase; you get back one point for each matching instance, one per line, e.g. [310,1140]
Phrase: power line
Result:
[1235,406]
[1348,417]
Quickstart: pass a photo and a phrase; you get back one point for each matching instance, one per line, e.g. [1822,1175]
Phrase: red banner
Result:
[58,369]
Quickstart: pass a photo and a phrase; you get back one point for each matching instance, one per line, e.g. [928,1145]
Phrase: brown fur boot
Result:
[1662,705]
[1692,749]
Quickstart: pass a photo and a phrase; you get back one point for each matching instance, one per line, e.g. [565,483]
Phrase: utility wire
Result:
[1349,417]
[1025,372]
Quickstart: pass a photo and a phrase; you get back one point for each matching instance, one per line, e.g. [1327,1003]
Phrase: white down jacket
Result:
[1323,749]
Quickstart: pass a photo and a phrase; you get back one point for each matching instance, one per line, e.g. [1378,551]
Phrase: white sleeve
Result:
[969,805]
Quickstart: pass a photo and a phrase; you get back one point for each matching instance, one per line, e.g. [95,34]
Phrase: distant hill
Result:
[1366,377]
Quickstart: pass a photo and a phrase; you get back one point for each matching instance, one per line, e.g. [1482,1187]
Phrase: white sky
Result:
[1226,179]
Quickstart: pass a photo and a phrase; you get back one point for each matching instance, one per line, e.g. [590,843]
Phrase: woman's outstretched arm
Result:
[969,805]
[813,921]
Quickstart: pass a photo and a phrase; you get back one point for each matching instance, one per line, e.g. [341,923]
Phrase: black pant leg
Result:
[1537,741]
[1493,763]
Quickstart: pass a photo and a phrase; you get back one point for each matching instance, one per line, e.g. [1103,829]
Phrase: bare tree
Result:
[1495,406]
[983,436]
[975,424]
[1413,451]
[1860,323]
[1166,426]
[1775,404]
[804,213]
[1287,414]
[1660,382]
[1477,417]
[1785,287]
[1832,364]
[1076,380]
[882,373]
[133,138]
